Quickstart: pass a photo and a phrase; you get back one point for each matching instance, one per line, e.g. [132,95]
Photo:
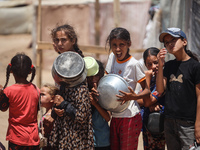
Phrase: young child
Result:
[22,99]
[47,93]
[125,126]
[72,128]
[156,102]
[65,39]
[100,116]
[180,79]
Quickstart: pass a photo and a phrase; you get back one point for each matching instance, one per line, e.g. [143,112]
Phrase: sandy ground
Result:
[9,46]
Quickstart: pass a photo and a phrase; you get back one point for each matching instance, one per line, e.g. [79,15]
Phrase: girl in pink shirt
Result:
[22,99]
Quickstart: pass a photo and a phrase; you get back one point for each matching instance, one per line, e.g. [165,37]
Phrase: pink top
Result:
[23,109]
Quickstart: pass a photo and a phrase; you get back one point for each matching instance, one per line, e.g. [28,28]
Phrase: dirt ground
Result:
[9,46]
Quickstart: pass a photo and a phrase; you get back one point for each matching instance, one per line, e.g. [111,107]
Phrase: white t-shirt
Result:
[131,70]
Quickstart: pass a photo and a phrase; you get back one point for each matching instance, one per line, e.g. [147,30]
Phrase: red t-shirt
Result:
[23,109]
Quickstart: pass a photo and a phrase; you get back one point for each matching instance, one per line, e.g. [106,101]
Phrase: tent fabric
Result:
[184,14]
[195,27]
[16,20]
[153,30]
[134,17]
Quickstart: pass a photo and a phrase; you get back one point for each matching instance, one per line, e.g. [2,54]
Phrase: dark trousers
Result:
[13,146]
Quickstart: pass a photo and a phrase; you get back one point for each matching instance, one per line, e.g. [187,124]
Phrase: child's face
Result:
[46,99]
[152,63]
[92,80]
[120,48]
[173,44]
[62,43]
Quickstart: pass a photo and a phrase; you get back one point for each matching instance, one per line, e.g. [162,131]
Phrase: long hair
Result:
[190,53]
[70,33]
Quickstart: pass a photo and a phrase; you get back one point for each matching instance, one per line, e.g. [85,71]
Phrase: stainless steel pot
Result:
[69,69]
[108,87]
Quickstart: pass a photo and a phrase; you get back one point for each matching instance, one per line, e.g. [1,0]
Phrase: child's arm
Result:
[148,101]
[140,102]
[132,95]
[148,75]
[47,123]
[62,104]
[160,80]
[146,91]
[197,122]
[4,101]
[105,114]
[57,112]
[48,118]
[155,107]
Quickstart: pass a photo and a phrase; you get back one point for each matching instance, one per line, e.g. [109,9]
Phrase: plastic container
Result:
[91,66]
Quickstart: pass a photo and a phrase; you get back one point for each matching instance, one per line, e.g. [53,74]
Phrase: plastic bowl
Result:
[91,66]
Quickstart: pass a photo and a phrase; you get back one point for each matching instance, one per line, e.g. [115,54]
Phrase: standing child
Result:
[47,94]
[100,116]
[72,128]
[22,99]
[181,82]
[156,102]
[65,39]
[125,126]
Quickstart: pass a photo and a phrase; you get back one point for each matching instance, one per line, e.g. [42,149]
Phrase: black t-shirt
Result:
[180,98]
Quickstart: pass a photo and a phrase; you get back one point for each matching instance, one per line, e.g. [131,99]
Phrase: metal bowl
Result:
[69,69]
[108,87]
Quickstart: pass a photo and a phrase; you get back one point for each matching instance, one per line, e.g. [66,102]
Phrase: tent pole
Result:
[39,51]
[117,13]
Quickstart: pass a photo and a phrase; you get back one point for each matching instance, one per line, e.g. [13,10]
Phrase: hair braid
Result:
[33,70]
[7,75]
[79,51]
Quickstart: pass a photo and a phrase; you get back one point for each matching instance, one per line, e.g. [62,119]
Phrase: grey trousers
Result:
[179,134]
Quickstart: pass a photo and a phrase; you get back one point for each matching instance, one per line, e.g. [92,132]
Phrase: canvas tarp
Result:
[16,20]
[184,14]
[195,27]
[134,17]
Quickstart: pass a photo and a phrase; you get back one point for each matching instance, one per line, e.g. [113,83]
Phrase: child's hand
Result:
[93,95]
[93,100]
[94,90]
[1,89]
[58,100]
[149,73]
[161,56]
[55,48]
[155,107]
[127,96]
[59,112]
[47,118]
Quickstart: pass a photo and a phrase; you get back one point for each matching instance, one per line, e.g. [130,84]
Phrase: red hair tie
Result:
[32,66]
[10,64]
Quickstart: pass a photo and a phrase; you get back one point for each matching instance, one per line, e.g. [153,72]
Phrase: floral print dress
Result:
[68,134]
